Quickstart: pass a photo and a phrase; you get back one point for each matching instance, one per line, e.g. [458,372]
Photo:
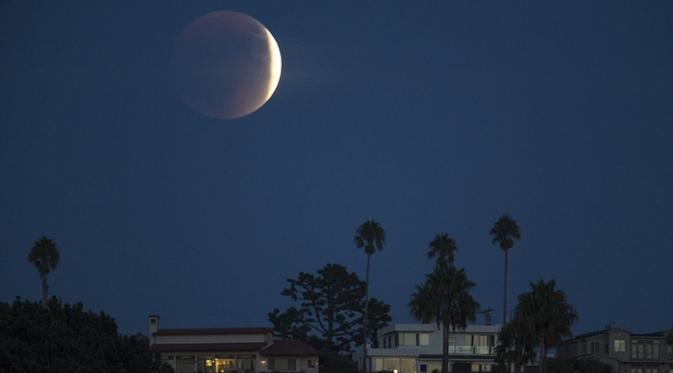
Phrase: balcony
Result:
[471,350]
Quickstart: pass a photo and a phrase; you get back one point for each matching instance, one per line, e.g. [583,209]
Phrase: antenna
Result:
[487,316]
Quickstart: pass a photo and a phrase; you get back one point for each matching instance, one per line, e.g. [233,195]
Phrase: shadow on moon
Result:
[226,65]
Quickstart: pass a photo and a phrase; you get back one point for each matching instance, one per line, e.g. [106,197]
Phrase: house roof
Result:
[206,347]
[613,329]
[213,331]
[591,334]
[289,347]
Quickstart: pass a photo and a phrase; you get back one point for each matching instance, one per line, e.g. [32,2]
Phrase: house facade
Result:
[625,351]
[229,350]
[417,348]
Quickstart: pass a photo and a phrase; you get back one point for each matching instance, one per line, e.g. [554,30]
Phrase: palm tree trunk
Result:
[544,357]
[43,277]
[445,349]
[366,318]
[504,298]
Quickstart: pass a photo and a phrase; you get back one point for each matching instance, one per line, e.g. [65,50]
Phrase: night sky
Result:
[426,116]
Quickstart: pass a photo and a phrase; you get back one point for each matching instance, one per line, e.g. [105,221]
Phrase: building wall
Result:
[475,340]
[624,351]
[305,364]
[195,362]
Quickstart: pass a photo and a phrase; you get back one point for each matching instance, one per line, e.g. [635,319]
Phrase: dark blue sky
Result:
[427,116]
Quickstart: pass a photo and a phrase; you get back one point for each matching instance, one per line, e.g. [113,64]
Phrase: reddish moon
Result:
[226,65]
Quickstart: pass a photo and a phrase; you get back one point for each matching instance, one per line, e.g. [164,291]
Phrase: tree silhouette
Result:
[44,256]
[329,308]
[371,237]
[504,232]
[442,249]
[444,298]
[545,313]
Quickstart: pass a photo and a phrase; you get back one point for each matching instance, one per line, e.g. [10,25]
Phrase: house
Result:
[417,348]
[229,350]
[625,351]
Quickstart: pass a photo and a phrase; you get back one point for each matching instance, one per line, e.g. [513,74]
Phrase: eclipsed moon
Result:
[226,65]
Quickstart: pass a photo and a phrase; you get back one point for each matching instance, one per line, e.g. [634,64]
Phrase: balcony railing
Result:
[471,350]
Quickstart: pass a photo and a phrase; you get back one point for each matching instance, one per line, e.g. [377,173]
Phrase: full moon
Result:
[226,65]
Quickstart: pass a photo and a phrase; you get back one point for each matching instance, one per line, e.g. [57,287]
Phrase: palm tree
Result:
[371,237]
[44,256]
[442,248]
[516,345]
[504,232]
[444,298]
[546,311]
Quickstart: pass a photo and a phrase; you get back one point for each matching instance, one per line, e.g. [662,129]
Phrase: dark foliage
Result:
[577,366]
[329,310]
[65,338]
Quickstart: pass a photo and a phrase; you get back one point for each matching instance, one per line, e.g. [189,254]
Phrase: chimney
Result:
[153,321]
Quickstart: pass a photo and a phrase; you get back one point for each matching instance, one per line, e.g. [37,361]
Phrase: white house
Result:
[229,350]
[417,348]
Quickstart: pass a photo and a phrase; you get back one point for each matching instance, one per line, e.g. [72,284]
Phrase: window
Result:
[619,345]
[282,364]
[650,352]
[655,354]
[641,351]
[310,363]
[424,368]
[408,339]
[407,365]
[378,364]
[424,339]
[476,367]
[594,347]
[391,364]
[397,339]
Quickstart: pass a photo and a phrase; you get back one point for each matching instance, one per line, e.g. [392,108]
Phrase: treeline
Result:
[333,312]
[64,338]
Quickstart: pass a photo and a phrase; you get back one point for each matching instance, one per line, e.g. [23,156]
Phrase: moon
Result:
[226,65]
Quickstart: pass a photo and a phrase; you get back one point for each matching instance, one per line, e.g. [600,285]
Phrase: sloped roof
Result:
[213,331]
[206,347]
[289,347]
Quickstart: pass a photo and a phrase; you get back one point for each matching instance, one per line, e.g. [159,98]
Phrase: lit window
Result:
[619,345]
